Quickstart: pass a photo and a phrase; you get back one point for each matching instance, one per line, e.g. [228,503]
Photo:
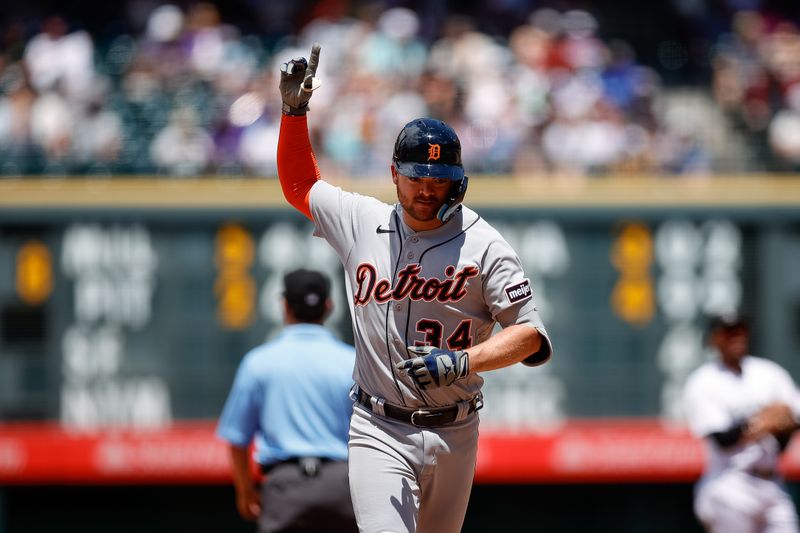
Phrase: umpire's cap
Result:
[306,292]
[428,147]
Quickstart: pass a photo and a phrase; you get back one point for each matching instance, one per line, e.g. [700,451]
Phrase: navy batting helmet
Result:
[428,148]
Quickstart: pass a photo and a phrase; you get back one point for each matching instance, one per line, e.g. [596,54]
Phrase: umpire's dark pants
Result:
[297,499]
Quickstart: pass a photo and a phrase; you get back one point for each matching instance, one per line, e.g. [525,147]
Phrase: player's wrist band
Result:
[294,111]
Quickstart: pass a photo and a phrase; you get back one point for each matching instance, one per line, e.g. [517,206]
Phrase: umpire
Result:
[290,396]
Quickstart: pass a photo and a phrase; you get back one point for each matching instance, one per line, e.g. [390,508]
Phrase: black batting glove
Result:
[434,367]
[298,81]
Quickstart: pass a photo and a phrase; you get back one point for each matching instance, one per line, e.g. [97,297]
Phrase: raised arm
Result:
[297,166]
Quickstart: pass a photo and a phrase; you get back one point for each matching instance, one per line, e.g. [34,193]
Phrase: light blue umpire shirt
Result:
[292,396]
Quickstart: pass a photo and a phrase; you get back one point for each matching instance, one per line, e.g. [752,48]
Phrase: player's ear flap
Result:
[453,203]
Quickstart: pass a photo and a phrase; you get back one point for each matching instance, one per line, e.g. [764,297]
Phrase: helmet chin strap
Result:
[453,203]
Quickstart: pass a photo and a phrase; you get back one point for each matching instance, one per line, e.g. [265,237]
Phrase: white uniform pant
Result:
[737,502]
[409,479]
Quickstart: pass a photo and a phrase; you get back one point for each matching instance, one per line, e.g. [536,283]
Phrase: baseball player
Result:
[427,279]
[745,408]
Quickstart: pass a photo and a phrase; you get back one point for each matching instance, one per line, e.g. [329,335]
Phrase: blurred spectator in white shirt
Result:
[56,57]
[52,125]
[182,148]
[98,141]
[17,149]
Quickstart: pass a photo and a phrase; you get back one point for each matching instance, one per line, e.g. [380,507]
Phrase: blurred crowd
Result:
[552,99]
[756,79]
[193,95]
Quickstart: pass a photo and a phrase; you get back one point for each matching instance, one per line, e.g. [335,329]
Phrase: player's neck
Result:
[296,322]
[732,364]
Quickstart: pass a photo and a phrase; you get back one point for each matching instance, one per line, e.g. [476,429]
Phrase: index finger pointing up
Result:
[311,70]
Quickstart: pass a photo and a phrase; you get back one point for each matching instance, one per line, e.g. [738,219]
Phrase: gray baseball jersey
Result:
[447,287]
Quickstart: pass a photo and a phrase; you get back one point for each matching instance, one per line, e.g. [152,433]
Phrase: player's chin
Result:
[425,212]
[424,217]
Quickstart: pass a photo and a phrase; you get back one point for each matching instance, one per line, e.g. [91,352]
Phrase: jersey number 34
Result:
[433,330]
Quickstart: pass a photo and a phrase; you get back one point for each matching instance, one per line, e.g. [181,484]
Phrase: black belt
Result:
[308,465]
[426,417]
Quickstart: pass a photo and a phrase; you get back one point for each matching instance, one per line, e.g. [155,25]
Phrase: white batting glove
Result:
[434,367]
[298,81]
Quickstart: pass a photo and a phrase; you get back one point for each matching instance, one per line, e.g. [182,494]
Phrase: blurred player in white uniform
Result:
[745,409]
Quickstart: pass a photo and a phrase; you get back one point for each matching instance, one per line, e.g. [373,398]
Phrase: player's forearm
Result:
[776,419]
[297,167]
[509,346]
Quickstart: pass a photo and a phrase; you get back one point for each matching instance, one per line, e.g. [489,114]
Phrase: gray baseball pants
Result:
[293,501]
[409,479]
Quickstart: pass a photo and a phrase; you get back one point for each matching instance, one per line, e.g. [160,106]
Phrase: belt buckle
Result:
[420,412]
[309,466]
[476,403]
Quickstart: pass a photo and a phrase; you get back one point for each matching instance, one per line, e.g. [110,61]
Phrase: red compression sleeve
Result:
[297,166]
